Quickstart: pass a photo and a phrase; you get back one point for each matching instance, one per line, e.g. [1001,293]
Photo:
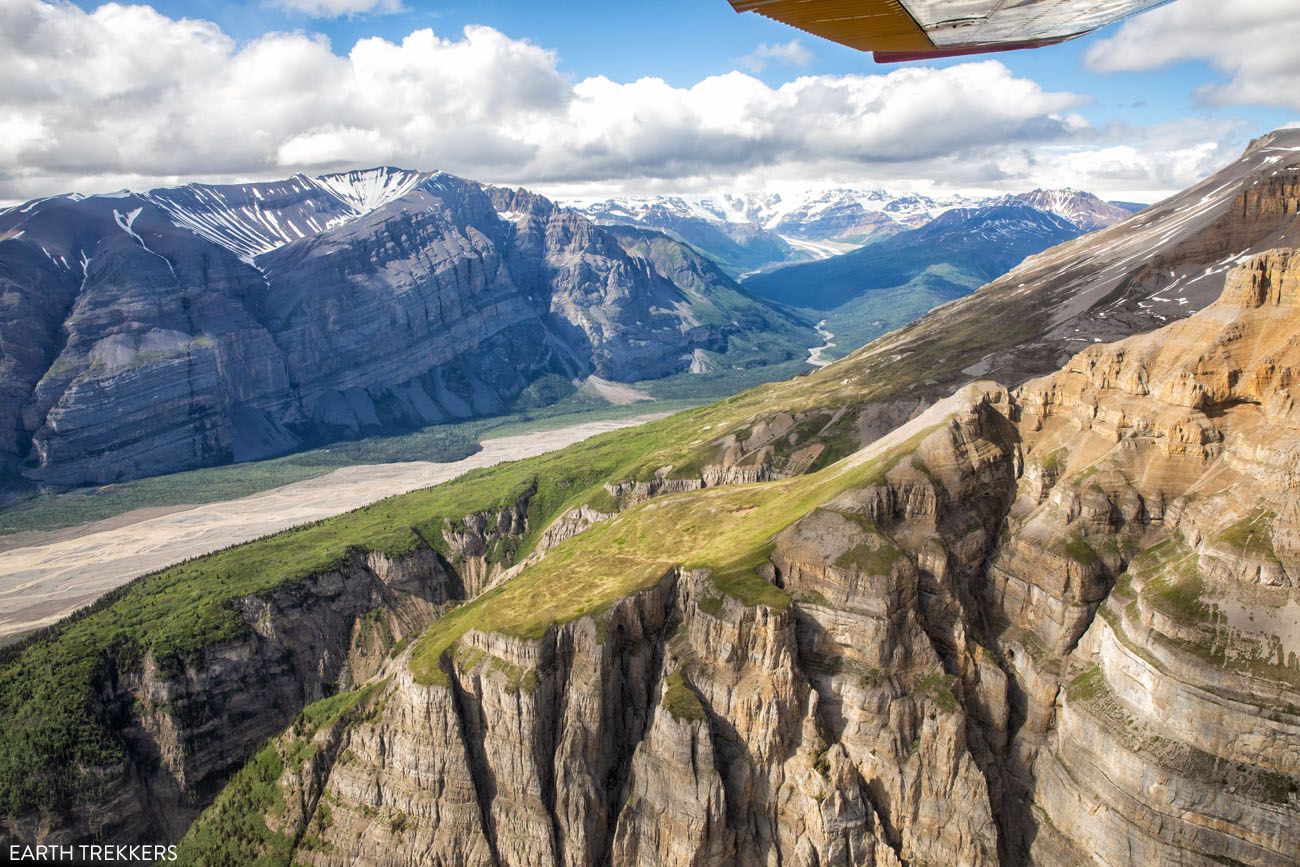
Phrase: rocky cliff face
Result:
[684,725]
[180,328]
[1047,626]
[1161,673]
[1056,624]
[186,721]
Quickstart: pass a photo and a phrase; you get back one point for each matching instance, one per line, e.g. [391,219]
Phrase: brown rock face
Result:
[1161,722]
[683,726]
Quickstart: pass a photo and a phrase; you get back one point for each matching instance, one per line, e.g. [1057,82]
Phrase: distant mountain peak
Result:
[1084,209]
[845,215]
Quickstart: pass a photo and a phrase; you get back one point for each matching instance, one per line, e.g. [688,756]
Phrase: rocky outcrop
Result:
[1160,704]
[520,756]
[683,725]
[483,544]
[768,448]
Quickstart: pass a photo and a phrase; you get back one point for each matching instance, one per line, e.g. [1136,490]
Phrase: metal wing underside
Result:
[910,29]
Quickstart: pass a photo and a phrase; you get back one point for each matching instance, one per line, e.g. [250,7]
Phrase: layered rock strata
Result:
[1059,628]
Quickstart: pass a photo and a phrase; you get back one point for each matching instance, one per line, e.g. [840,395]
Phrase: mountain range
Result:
[143,333]
[890,282]
[756,231]
[1017,584]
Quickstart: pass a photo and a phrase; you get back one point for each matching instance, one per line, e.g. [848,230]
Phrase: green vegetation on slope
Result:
[865,318]
[680,700]
[53,731]
[727,530]
[1252,536]
[706,386]
[51,722]
[234,830]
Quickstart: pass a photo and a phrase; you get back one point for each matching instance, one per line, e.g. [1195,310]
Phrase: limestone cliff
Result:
[1149,595]
[1051,626]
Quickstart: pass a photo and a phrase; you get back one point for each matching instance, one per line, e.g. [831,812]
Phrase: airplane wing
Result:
[897,30]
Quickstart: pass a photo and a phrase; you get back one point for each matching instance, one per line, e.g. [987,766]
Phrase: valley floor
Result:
[43,582]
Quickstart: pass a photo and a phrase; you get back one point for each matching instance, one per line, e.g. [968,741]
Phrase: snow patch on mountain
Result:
[368,190]
[844,214]
[252,219]
[1085,210]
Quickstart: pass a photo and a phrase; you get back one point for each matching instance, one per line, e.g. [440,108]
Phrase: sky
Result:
[579,99]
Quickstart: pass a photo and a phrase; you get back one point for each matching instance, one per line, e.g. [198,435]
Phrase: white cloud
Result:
[1254,42]
[1137,163]
[790,53]
[124,96]
[339,8]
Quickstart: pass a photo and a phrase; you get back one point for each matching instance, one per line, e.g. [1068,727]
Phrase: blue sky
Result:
[553,96]
[683,41]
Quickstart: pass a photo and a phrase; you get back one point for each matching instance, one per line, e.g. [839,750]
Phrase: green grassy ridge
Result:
[50,722]
[727,530]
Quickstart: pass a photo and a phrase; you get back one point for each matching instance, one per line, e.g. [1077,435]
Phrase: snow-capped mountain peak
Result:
[1081,208]
[840,213]
[749,232]
[252,219]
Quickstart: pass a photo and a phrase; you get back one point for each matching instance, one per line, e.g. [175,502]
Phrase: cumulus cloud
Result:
[339,8]
[1253,42]
[125,96]
[1136,163]
[790,53]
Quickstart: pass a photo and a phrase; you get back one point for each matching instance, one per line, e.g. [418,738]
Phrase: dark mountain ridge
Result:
[178,328]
